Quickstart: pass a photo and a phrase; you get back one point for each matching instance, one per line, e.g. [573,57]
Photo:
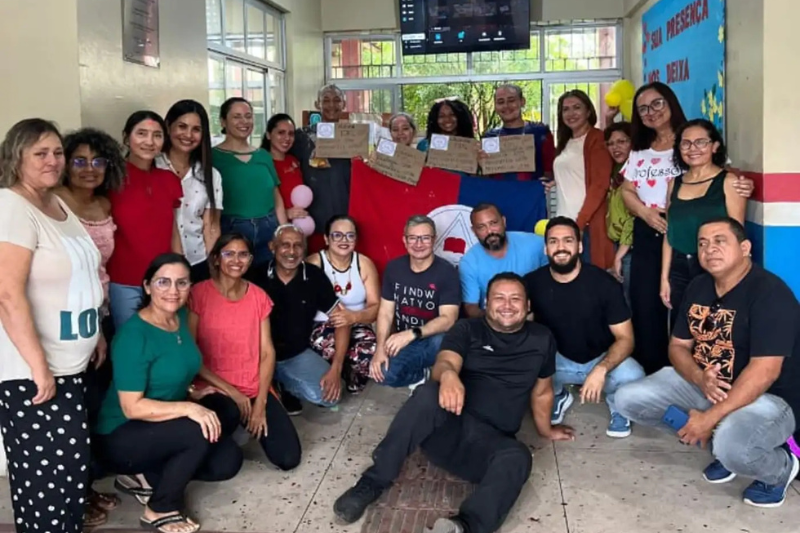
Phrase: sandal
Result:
[158,524]
[93,517]
[105,501]
[130,485]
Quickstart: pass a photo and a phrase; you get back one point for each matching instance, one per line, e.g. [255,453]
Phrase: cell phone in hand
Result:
[675,417]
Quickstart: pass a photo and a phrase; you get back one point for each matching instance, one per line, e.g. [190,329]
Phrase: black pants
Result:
[47,447]
[650,328]
[683,269]
[200,272]
[281,445]
[172,453]
[462,445]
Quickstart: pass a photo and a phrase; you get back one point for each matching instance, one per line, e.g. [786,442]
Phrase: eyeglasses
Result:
[230,254]
[338,236]
[414,239]
[700,144]
[98,163]
[711,322]
[620,142]
[165,284]
[656,105]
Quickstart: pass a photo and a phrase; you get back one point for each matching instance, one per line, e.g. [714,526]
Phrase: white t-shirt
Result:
[194,203]
[651,171]
[64,290]
[569,171]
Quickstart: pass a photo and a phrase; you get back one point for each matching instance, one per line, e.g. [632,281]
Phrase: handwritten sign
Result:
[453,153]
[399,161]
[684,47]
[342,140]
[510,153]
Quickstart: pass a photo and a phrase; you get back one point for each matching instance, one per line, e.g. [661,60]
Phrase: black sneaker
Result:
[351,505]
[291,403]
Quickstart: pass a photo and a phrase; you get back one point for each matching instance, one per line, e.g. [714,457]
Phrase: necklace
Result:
[341,289]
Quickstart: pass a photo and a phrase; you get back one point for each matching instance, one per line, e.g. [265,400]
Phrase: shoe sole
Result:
[720,481]
[341,516]
[564,408]
[443,525]
[618,434]
[794,472]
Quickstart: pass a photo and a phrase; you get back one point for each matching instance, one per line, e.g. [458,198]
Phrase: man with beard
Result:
[500,251]
[584,307]
[488,372]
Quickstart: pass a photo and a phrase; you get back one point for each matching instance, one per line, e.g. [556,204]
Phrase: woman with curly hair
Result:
[448,117]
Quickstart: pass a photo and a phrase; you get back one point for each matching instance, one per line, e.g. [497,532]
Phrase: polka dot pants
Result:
[47,447]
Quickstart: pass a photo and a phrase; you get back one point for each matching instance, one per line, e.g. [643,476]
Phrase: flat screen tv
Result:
[453,26]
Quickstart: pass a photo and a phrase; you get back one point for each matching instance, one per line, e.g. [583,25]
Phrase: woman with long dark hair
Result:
[581,170]
[278,140]
[657,115]
[145,211]
[187,153]
[448,117]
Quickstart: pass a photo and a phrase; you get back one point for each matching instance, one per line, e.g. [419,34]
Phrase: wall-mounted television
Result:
[453,26]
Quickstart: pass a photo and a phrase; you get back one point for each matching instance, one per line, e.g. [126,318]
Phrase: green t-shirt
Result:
[150,360]
[248,188]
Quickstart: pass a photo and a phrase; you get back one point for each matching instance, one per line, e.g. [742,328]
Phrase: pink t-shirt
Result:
[229,333]
[651,171]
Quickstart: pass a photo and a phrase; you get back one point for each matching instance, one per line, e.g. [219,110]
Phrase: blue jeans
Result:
[408,366]
[569,372]
[260,231]
[748,442]
[300,376]
[123,301]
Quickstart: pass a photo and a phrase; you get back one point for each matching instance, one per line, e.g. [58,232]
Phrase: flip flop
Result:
[130,485]
[158,524]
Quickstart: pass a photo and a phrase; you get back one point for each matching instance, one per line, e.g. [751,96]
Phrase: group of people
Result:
[181,262]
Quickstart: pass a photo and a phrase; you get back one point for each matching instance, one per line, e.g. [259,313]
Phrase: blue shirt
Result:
[525,253]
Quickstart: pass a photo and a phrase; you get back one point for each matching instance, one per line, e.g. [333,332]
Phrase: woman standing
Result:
[448,117]
[581,169]
[403,128]
[703,192]
[50,296]
[657,116]
[278,140]
[355,282]
[619,221]
[229,318]
[154,429]
[145,212]
[253,204]
[187,153]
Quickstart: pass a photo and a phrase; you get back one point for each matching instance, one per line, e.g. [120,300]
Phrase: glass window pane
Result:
[255,32]
[234,25]
[255,95]
[581,49]
[369,101]
[435,65]
[214,21]
[363,58]
[277,102]
[510,61]
[273,37]
[234,75]
[596,92]
[216,92]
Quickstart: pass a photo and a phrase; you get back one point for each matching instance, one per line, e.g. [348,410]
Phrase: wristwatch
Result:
[417,333]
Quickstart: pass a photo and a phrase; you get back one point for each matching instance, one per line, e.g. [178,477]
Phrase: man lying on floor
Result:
[465,420]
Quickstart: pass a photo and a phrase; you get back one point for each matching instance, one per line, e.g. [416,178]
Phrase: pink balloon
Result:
[306,224]
[302,196]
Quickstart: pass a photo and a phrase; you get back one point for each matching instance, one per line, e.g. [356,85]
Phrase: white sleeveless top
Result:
[348,285]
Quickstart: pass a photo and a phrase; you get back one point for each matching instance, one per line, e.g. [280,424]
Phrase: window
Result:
[246,58]
[377,78]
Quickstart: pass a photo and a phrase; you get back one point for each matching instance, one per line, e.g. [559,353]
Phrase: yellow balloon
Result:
[613,99]
[626,108]
[625,89]
[541,226]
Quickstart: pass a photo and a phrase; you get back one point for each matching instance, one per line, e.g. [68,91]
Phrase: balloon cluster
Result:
[621,96]
[301,197]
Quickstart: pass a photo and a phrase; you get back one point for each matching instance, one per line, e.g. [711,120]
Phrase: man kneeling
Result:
[736,365]
[486,374]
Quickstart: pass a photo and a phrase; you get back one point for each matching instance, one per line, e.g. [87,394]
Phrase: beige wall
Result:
[112,89]
[39,62]
[364,15]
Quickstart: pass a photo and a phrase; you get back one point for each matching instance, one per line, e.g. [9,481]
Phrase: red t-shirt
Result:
[229,334]
[291,175]
[144,212]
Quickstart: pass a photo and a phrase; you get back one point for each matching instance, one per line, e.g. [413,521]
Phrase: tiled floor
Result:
[645,483]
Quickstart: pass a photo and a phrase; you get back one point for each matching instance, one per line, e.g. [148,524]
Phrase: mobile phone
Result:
[675,417]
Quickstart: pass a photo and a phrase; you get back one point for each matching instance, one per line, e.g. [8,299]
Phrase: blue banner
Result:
[684,47]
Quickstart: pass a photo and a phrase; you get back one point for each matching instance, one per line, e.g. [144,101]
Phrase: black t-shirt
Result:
[758,317]
[580,312]
[500,369]
[295,305]
[418,295]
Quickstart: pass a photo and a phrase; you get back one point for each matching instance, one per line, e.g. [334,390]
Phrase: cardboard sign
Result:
[342,141]
[453,153]
[509,153]
[399,161]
